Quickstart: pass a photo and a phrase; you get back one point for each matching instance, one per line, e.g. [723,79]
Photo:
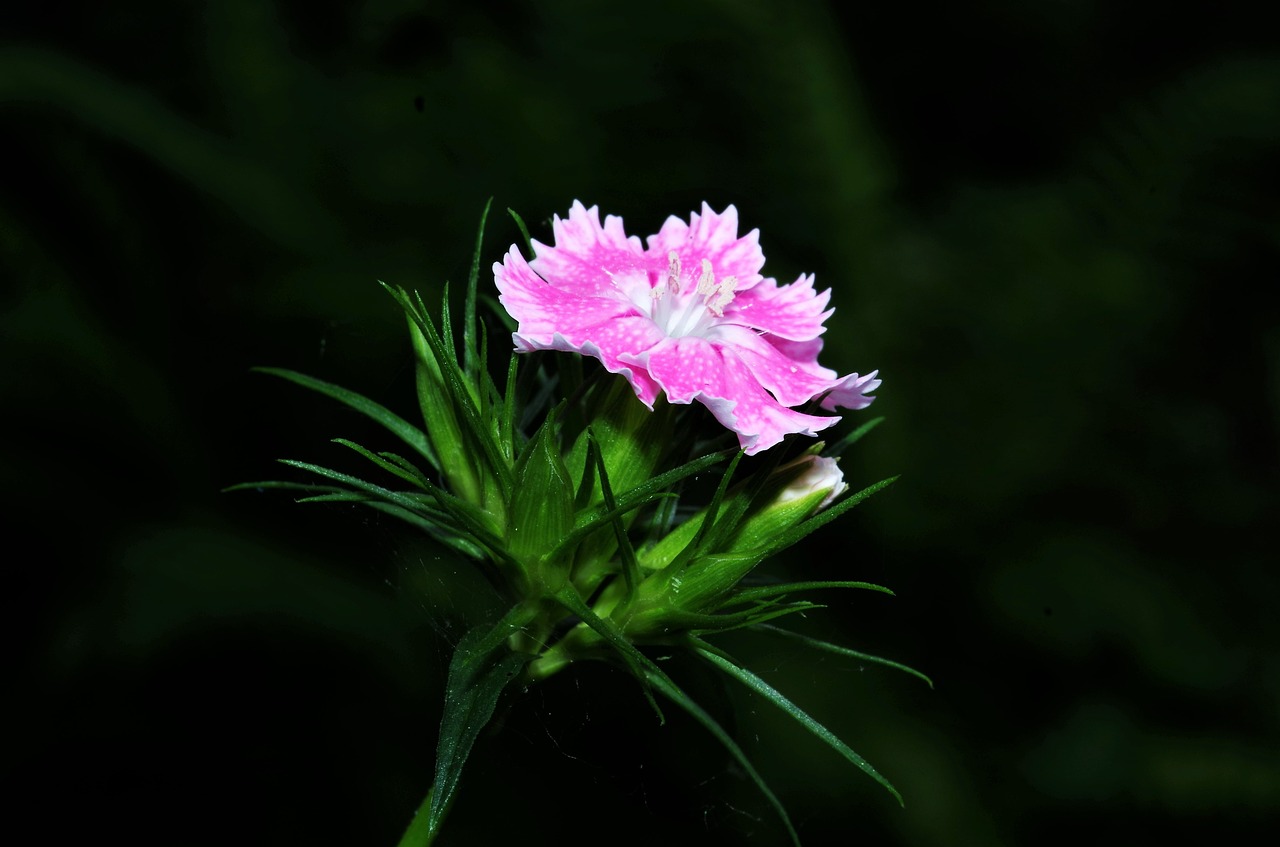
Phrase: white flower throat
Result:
[680,313]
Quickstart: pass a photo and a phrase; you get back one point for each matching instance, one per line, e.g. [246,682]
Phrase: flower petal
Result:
[851,392]
[793,312]
[587,256]
[542,308]
[713,237]
[792,382]
[692,368]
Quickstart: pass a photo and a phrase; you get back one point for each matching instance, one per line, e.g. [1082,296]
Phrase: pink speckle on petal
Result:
[689,315]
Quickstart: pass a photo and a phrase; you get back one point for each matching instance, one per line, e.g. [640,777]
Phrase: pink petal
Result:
[586,255]
[794,312]
[645,387]
[692,368]
[791,382]
[714,237]
[541,308]
[851,393]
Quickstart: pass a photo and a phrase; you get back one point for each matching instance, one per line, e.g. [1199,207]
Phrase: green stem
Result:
[419,833]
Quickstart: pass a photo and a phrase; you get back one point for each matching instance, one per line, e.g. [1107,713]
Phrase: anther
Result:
[706,282]
[673,272]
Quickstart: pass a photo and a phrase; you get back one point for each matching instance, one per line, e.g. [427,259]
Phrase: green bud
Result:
[794,493]
[809,485]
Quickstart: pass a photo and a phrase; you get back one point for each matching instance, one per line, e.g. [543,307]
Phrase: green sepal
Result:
[541,511]
[716,657]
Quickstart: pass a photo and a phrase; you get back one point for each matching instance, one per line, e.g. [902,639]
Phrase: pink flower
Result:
[689,316]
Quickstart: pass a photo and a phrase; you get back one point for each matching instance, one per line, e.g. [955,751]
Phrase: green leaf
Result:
[524,231]
[407,432]
[709,520]
[818,644]
[643,668]
[481,668]
[701,622]
[675,695]
[507,426]
[468,517]
[413,478]
[767,592]
[471,427]
[630,569]
[288,486]
[642,494]
[771,694]
[853,437]
[470,365]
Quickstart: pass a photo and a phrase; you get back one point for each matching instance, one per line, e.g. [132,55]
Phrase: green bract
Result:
[605,526]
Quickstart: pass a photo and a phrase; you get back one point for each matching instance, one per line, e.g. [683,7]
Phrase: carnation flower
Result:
[688,316]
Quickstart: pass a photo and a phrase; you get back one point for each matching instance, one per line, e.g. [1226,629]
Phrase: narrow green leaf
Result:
[638,663]
[508,426]
[766,592]
[771,694]
[818,644]
[642,494]
[643,668]
[408,467]
[415,479]
[852,438]
[469,303]
[630,568]
[481,668]
[450,536]
[466,515]
[407,432]
[280,484]
[675,695]
[713,507]
[524,231]
[700,622]
[455,385]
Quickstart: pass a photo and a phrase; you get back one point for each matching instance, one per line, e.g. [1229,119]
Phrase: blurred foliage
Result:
[1052,227]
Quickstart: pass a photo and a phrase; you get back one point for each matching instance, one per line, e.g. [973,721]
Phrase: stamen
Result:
[706,282]
[724,296]
[673,272]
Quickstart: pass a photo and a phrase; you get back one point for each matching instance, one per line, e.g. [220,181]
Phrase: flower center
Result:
[689,310]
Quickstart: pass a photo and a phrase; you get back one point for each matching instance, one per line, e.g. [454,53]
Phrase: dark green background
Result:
[1051,225]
